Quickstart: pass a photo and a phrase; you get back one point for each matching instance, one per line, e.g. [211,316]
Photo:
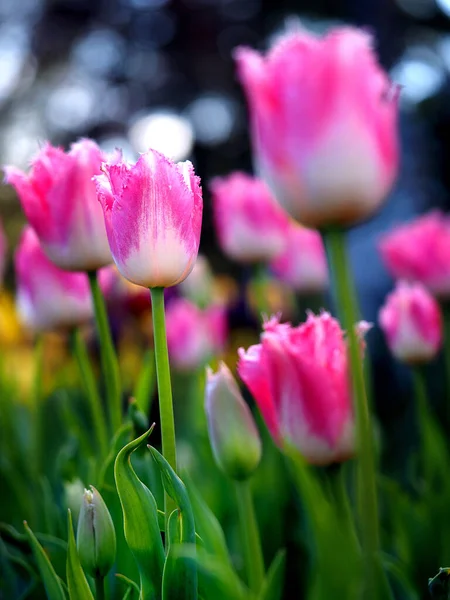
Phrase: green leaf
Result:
[50,579]
[208,527]
[272,588]
[140,521]
[76,580]
[216,580]
[180,574]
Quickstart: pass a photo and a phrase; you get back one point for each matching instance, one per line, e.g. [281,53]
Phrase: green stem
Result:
[422,416]
[100,588]
[80,353]
[37,408]
[110,366]
[164,387]
[341,499]
[375,582]
[254,562]
[259,284]
[446,313]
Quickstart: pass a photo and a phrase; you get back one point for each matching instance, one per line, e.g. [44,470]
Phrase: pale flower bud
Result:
[234,438]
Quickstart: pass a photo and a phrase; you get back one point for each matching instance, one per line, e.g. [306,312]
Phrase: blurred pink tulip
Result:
[420,251]
[299,377]
[412,323]
[303,263]
[193,335]
[48,298]
[121,294]
[153,216]
[324,124]
[59,199]
[250,225]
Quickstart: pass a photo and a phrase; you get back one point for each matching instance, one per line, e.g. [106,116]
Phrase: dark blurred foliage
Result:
[135,73]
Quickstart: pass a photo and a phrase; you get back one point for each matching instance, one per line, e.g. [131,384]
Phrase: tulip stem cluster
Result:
[95,403]
[164,387]
[367,491]
[108,356]
[254,562]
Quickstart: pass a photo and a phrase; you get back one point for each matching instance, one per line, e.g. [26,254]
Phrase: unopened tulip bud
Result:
[234,438]
[96,537]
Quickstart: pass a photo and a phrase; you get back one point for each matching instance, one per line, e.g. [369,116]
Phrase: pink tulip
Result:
[412,323]
[3,253]
[59,199]
[420,251]
[299,377]
[153,216]
[251,227]
[121,294]
[323,119]
[193,335]
[48,298]
[303,263]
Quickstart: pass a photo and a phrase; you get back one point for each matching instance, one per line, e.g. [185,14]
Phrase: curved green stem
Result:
[375,580]
[164,387]
[254,562]
[95,404]
[110,366]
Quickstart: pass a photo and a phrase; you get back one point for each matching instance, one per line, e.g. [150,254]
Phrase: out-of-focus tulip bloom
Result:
[232,431]
[420,251]
[59,199]
[153,216]
[199,284]
[250,225]
[412,323]
[324,124]
[48,298]
[3,253]
[194,335]
[299,377]
[303,263]
[122,294]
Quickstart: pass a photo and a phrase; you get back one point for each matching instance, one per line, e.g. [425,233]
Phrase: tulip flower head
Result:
[299,377]
[59,199]
[412,323]
[232,431]
[194,335]
[48,298]
[323,123]
[419,251]
[251,227]
[153,215]
[303,263]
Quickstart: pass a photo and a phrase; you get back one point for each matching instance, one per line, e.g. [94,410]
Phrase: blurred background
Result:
[140,73]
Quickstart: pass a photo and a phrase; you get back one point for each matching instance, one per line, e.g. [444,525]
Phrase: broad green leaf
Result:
[180,574]
[207,526]
[140,521]
[216,580]
[272,588]
[76,580]
[146,382]
[49,578]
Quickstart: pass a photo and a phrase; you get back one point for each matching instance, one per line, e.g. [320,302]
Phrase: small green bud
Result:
[234,437]
[96,537]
